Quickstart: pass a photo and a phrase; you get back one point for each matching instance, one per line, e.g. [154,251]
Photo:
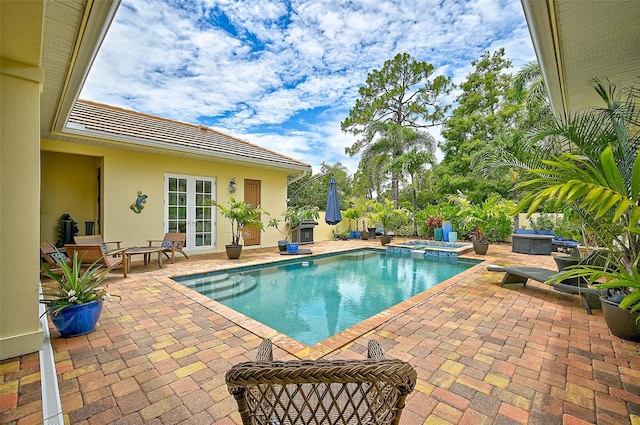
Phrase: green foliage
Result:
[390,217]
[73,285]
[402,92]
[600,182]
[241,214]
[486,108]
[490,220]
[446,210]
[352,214]
[543,222]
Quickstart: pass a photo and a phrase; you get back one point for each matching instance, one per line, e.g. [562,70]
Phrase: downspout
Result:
[298,177]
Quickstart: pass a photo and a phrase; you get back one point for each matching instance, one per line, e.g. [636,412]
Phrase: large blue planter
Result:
[78,319]
[446,228]
[292,248]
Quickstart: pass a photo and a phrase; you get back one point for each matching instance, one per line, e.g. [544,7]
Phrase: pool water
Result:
[314,298]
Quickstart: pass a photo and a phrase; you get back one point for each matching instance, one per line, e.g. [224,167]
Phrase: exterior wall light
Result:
[232,185]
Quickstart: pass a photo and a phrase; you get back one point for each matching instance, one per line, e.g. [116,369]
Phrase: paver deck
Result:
[484,354]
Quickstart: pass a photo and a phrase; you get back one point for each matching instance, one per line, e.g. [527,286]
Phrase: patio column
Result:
[20,79]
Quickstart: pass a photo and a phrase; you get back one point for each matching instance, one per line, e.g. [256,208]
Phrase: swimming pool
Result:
[313,298]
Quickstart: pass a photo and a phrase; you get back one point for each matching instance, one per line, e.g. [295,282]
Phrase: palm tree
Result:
[389,141]
[412,163]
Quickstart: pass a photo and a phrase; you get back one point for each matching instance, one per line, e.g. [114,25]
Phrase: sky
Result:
[284,74]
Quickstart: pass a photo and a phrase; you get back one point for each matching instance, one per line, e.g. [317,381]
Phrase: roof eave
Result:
[98,16]
[109,138]
[540,17]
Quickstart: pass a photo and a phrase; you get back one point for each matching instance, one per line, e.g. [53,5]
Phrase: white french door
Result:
[188,209]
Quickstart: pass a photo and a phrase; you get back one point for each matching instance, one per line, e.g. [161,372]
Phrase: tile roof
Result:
[128,126]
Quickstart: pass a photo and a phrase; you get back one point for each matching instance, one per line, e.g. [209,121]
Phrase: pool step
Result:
[223,286]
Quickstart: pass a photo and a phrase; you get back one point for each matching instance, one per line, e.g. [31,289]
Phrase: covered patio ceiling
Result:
[576,41]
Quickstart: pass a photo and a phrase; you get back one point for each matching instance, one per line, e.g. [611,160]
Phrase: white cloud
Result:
[253,69]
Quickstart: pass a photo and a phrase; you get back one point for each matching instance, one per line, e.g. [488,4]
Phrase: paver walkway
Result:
[484,354]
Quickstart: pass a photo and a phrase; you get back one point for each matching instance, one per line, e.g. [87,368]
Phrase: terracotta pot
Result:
[621,323]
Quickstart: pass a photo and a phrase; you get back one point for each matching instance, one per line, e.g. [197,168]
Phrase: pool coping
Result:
[332,343]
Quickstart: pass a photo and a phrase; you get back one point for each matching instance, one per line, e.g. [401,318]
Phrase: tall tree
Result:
[486,108]
[411,163]
[401,94]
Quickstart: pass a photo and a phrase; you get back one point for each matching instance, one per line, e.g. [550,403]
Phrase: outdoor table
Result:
[145,251]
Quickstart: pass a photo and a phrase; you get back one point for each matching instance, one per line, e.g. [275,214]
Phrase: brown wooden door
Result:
[252,196]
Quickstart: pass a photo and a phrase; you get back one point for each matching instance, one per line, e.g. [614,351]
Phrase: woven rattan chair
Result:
[371,391]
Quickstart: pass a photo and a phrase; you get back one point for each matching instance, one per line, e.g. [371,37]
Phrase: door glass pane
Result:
[176,204]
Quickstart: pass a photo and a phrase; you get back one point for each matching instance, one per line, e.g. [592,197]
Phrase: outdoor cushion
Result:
[546,232]
[525,232]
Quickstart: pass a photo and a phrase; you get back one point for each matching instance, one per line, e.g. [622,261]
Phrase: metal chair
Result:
[371,391]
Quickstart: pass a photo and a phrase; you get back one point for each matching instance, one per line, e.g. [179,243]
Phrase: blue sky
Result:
[283,74]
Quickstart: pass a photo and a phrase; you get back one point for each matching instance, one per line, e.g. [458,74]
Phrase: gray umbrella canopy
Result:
[333,215]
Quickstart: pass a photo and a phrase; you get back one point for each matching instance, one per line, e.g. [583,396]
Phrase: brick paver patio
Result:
[484,354]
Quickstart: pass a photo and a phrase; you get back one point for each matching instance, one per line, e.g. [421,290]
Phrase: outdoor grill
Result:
[303,234]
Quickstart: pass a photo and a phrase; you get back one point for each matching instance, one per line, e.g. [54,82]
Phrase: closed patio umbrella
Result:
[333,215]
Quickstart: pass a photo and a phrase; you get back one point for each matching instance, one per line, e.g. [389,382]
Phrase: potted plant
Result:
[389,217]
[352,214]
[601,183]
[74,298]
[434,224]
[363,207]
[240,214]
[479,240]
[282,244]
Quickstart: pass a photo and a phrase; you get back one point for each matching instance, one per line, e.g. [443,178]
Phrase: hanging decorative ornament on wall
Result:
[138,205]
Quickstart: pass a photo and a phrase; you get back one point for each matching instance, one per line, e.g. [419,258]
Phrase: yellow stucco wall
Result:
[124,173]
[20,331]
[77,174]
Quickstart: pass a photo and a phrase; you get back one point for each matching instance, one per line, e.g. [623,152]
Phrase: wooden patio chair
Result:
[90,253]
[97,239]
[172,242]
[371,391]
[48,254]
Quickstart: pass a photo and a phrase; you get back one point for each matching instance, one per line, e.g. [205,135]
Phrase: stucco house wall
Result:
[69,185]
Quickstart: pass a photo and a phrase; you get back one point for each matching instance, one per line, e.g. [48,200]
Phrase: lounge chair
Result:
[590,297]
[172,242]
[90,253]
[97,239]
[371,391]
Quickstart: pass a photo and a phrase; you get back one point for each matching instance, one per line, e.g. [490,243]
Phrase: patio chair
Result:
[90,253]
[172,242]
[97,239]
[371,391]
[48,254]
